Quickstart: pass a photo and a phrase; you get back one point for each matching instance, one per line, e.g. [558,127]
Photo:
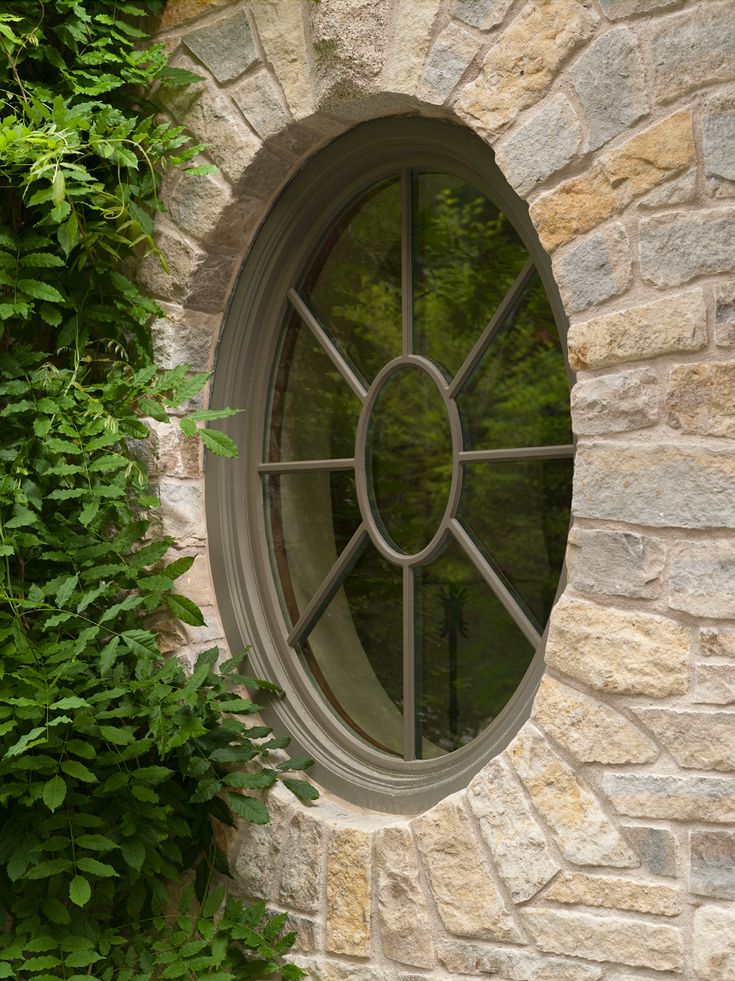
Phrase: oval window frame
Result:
[245,587]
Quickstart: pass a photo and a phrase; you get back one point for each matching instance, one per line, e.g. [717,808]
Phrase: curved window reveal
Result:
[418,464]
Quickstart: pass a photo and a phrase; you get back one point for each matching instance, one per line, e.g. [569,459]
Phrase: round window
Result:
[392,540]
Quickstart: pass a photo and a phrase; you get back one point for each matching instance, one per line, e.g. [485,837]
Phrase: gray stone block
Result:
[702,579]
[616,403]
[226,47]
[447,62]
[656,847]
[541,146]
[714,684]
[718,141]
[625,8]
[616,563]
[680,190]
[608,79]
[482,13]
[712,868]
[725,314]
[594,270]
[675,249]
[671,797]
[259,100]
[694,49]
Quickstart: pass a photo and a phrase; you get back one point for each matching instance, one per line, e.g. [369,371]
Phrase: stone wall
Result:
[601,844]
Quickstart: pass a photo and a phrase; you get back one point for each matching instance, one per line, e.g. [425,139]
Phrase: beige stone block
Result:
[621,174]
[616,403]
[666,326]
[320,968]
[698,740]
[672,798]
[714,684]
[197,582]
[405,927]
[178,12]
[714,642]
[521,65]
[460,957]
[577,888]
[584,834]
[635,943]
[511,831]
[301,865]
[467,899]
[173,453]
[701,399]
[348,42]
[409,35]
[348,893]
[589,730]
[615,563]
[714,943]
[281,26]
[702,578]
[182,510]
[619,651]
[449,58]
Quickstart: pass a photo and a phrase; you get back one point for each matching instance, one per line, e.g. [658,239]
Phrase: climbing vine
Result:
[117,768]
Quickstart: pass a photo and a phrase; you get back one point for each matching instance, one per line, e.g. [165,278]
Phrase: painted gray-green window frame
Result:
[246,591]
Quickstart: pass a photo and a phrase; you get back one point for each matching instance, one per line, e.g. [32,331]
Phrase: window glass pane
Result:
[471,657]
[312,516]
[466,255]
[518,395]
[313,411]
[519,514]
[356,655]
[410,459]
[354,285]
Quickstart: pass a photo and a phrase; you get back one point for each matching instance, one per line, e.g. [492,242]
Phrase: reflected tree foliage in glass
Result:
[421,324]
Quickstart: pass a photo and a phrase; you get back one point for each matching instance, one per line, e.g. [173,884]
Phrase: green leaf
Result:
[178,567]
[185,610]
[55,911]
[42,260]
[65,590]
[251,781]
[213,902]
[133,851]
[218,443]
[188,428]
[208,415]
[297,763]
[44,870]
[40,291]
[94,867]
[95,843]
[73,768]
[80,890]
[302,789]
[68,233]
[54,792]
[248,808]
[71,702]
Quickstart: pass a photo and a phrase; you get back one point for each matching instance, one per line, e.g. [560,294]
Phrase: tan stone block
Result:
[716,643]
[409,35]
[521,65]
[701,399]
[405,927]
[698,740]
[585,835]
[511,831]
[614,893]
[621,174]
[714,684]
[460,957]
[702,578]
[672,798]
[178,12]
[281,28]
[467,899]
[666,326]
[635,943]
[303,850]
[714,943]
[348,893]
[619,651]
[590,731]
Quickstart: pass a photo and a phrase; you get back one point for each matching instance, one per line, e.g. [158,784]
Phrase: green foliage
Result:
[116,766]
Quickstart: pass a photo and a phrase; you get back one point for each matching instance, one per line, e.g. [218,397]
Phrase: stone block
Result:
[635,943]
[621,175]
[408,41]
[303,852]
[577,888]
[541,145]
[172,453]
[172,282]
[702,579]
[348,42]
[677,323]
[282,31]
[696,740]
[467,900]
[714,642]
[619,650]
[212,283]
[656,847]
[693,49]
[255,851]
[447,62]
[701,399]
[321,969]
[725,314]
[178,12]
[259,99]
[584,834]
[305,930]
[718,143]
[512,833]
[502,963]
[524,60]
[655,485]
[712,863]
[627,8]
[672,798]
[676,248]
[484,14]
[226,47]
[615,563]
[182,510]
[591,731]
[679,190]
[595,269]
[196,202]
[197,582]
[608,79]
[714,684]
[348,893]
[185,337]
[714,943]
[405,927]
[616,403]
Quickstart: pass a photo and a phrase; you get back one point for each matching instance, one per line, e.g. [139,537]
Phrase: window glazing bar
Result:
[495,583]
[407,261]
[301,466]
[326,342]
[329,586]
[521,453]
[409,665]
[507,304]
